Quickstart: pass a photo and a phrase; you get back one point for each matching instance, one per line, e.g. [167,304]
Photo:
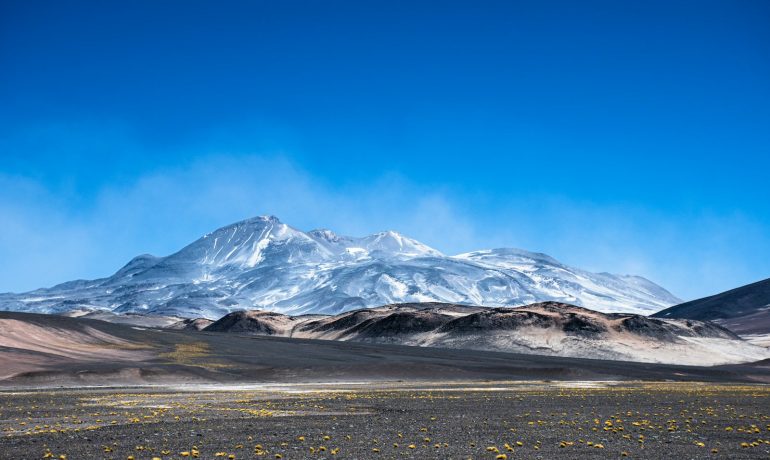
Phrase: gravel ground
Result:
[491,420]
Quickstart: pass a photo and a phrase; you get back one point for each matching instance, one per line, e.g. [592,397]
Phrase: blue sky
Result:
[630,138]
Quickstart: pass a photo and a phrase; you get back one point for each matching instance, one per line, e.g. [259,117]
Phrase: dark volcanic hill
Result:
[546,328]
[51,350]
[744,310]
[197,324]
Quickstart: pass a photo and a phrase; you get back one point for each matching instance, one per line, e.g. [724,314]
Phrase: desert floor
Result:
[441,420]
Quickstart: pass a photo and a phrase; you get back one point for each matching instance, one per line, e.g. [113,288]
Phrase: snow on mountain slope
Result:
[266,264]
[599,291]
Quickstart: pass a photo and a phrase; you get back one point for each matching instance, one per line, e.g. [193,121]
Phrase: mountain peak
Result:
[254,223]
[258,221]
[263,263]
[244,243]
[324,234]
[392,242]
[265,218]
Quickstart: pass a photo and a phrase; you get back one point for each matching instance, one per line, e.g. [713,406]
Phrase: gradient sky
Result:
[630,137]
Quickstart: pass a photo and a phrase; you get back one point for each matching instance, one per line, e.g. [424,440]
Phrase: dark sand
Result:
[396,420]
[122,355]
[218,395]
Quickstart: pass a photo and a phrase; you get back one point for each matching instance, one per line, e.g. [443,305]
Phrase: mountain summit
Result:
[263,263]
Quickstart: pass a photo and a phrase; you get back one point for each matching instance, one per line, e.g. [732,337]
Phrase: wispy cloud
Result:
[50,236]
[48,239]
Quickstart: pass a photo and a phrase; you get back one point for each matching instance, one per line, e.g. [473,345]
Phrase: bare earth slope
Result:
[546,328]
[745,310]
[105,353]
[197,324]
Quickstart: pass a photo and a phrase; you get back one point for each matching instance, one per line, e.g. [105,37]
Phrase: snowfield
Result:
[262,263]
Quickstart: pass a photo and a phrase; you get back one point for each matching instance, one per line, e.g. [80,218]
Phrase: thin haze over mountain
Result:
[264,263]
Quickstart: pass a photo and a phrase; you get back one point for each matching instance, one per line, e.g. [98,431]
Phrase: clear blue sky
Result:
[629,137]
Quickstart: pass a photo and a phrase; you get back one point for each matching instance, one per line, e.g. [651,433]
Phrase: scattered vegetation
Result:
[517,421]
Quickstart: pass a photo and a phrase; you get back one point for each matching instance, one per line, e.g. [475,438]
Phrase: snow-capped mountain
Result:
[262,263]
